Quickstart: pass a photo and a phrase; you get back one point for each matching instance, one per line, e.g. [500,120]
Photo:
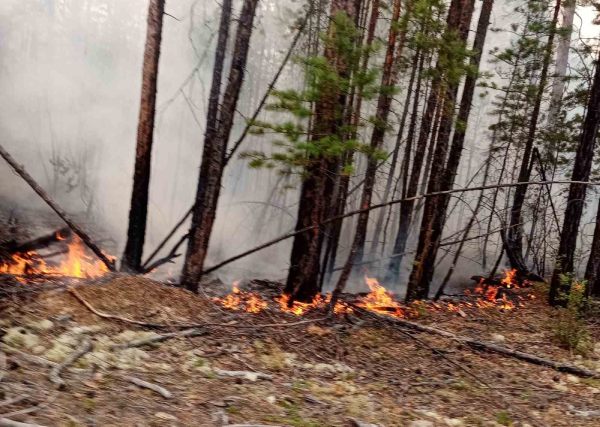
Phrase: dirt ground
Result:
[336,372]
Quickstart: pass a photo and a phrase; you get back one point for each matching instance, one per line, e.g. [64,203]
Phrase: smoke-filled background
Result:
[70,78]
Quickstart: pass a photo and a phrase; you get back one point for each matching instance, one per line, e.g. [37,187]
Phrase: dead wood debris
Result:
[490,347]
[20,170]
[84,348]
[150,386]
[6,422]
[186,333]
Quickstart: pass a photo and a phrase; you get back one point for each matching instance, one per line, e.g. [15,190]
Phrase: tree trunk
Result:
[441,179]
[576,199]
[389,79]
[410,190]
[340,196]
[514,235]
[303,276]
[396,152]
[215,149]
[563,48]
[592,272]
[138,212]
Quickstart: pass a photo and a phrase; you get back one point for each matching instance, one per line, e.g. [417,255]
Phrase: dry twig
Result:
[150,386]
[84,348]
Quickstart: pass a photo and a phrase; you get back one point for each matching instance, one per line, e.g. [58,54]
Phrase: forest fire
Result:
[378,300]
[75,263]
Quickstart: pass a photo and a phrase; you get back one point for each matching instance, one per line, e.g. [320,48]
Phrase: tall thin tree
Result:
[138,213]
[215,148]
[442,178]
[576,200]
[513,240]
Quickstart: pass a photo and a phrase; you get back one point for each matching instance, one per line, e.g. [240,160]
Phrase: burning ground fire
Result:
[75,263]
[378,300]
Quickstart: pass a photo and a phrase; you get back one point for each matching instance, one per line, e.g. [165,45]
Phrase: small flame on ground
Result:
[76,263]
[378,300]
[238,300]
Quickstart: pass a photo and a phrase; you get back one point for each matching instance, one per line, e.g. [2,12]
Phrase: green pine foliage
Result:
[297,145]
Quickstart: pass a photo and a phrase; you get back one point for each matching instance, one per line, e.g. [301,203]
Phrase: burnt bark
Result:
[577,192]
[442,177]
[215,147]
[138,213]
[514,236]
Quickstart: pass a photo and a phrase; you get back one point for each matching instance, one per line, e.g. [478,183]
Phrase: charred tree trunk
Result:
[576,199]
[215,149]
[441,178]
[138,213]
[514,236]
[303,276]
[592,272]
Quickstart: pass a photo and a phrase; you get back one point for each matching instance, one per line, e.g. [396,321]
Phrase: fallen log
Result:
[85,238]
[488,346]
[40,242]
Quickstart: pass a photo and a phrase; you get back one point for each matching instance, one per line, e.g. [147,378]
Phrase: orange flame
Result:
[380,300]
[238,300]
[75,264]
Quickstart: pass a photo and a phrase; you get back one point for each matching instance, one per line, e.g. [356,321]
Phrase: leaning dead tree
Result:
[85,238]
[138,213]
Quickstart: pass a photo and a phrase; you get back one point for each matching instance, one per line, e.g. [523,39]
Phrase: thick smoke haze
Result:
[70,76]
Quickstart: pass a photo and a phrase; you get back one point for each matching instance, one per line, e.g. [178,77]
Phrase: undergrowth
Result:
[570,329]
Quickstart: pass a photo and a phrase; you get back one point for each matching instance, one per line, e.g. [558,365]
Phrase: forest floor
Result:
[342,371]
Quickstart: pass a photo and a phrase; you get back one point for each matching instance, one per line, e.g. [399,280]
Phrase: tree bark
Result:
[215,147]
[138,213]
[442,178]
[389,79]
[514,236]
[592,272]
[576,199]
[303,276]
[562,61]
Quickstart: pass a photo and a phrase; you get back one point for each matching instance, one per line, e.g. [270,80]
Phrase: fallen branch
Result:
[193,332]
[36,360]
[189,325]
[56,208]
[248,375]
[169,258]
[150,386]
[490,347]
[6,422]
[379,206]
[84,348]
